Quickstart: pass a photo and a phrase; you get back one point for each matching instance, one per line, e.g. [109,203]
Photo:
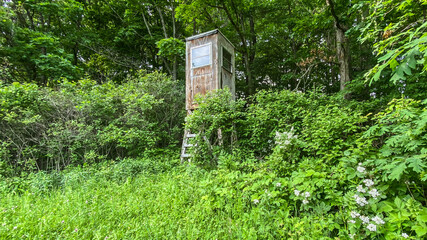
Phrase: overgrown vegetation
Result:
[318,159]
[315,167]
[84,122]
[326,140]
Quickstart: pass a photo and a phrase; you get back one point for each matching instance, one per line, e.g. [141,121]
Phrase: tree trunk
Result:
[252,50]
[175,62]
[162,21]
[343,55]
[249,80]
[343,50]
[75,53]
[43,77]
[147,25]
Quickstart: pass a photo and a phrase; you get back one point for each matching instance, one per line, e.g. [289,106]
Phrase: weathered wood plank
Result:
[200,80]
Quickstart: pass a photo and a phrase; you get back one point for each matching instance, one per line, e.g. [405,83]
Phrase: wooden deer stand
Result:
[209,65]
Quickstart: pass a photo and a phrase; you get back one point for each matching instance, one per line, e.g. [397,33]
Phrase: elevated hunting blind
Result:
[209,65]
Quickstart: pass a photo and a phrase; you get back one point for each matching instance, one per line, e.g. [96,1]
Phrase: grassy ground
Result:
[148,206]
[147,200]
[132,199]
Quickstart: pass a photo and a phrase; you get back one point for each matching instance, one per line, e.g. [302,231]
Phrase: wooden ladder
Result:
[186,145]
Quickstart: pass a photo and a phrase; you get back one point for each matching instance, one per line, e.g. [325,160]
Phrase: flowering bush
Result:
[312,158]
[393,171]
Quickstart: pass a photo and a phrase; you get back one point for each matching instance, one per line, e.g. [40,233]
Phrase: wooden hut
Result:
[209,65]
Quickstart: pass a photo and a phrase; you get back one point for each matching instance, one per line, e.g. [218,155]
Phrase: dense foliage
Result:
[326,138]
[83,122]
[318,157]
[315,167]
[280,44]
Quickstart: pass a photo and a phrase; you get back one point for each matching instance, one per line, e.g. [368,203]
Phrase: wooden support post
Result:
[220,136]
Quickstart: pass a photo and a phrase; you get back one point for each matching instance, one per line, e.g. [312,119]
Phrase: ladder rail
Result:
[186,145]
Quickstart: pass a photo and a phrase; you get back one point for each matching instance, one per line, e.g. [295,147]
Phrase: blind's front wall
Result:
[203,77]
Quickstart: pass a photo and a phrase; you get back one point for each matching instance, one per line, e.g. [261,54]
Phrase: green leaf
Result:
[397,172]
[420,230]
[398,202]
[388,55]
[412,62]
[309,173]
[406,69]
[422,215]
[378,73]
[416,164]
[386,207]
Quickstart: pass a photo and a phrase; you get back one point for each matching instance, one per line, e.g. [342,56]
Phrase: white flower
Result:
[15,227]
[378,220]
[364,219]
[306,194]
[374,193]
[360,200]
[361,169]
[405,235]
[305,201]
[360,189]
[351,221]
[278,184]
[368,182]
[256,201]
[296,192]
[372,227]
[287,142]
[354,214]
[351,235]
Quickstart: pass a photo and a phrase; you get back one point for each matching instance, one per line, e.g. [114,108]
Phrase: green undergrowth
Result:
[135,200]
[131,200]
[148,206]
[284,165]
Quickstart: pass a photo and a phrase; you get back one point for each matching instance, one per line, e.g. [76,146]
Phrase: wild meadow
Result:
[324,138]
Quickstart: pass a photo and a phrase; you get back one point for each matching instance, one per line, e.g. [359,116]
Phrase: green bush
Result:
[215,121]
[321,126]
[86,122]
[324,166]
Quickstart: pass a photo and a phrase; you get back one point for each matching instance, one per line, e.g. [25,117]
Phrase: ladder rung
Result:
[186,155]
[188,145]
[191,135]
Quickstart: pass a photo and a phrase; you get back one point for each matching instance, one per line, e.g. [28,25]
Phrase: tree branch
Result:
[334,15]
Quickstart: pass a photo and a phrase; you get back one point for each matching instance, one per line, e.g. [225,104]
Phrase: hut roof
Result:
[212,32]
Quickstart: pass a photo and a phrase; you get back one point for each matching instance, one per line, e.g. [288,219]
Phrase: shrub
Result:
[85,122]
[320,163]
[216,121]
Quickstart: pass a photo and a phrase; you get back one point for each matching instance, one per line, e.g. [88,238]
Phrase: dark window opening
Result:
[226,60]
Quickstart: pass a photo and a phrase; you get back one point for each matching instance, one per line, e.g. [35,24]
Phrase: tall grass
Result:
[166,205]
